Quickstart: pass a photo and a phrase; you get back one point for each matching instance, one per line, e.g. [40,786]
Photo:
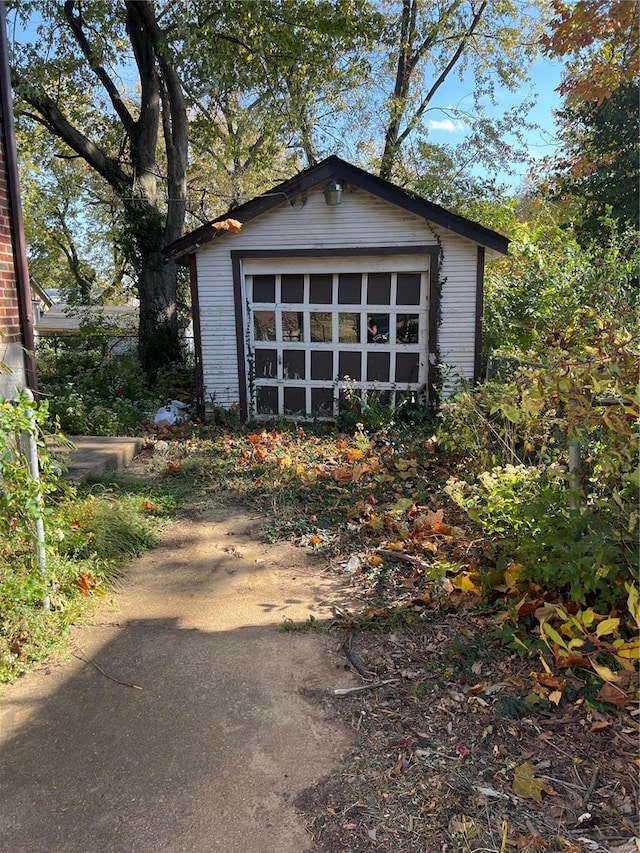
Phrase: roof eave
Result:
[334,167]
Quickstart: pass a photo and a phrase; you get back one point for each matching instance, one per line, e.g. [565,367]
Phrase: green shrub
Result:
[573,533]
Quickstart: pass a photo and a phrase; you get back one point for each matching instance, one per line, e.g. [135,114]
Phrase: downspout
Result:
[15,209]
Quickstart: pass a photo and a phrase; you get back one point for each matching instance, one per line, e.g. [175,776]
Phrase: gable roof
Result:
[334,167]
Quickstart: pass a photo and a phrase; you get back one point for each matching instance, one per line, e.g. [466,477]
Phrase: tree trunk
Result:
[158,333]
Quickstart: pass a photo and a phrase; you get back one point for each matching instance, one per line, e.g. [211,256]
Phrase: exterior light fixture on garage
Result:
[332,193]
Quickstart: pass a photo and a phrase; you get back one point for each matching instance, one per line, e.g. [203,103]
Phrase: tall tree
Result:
[601,41]
[69,222]
[598,163]
[599,123]
[431,41]
[118,83]
[119,139]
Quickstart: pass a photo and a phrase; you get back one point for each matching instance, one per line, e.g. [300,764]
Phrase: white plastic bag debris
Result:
[174,412]
[353,564]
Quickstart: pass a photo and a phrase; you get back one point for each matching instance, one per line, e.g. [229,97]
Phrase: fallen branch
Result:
[346,691]
[346,651]
[85,659]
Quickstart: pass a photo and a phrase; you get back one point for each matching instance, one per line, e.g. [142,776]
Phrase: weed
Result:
[311,624]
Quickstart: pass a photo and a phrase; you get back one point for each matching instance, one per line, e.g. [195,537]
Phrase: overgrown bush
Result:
[96,386]
[573,532]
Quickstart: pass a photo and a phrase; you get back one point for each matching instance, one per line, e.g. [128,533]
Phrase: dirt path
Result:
[213,750]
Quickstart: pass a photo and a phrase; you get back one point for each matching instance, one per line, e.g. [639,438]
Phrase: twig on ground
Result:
[591,788]
[86,659]
[407,558]
[346,651]
[346,691]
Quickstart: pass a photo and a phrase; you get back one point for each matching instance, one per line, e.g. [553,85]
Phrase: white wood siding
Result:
[360,221]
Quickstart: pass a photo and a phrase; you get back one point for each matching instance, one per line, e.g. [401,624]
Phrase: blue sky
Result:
[543,81]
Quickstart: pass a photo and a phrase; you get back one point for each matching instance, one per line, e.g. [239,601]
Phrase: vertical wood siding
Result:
[360,221]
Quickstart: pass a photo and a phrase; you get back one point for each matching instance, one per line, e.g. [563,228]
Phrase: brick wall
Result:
[10,331]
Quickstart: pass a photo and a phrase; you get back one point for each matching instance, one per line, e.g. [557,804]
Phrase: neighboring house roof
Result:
[334,167]
[38,292]
[66,319]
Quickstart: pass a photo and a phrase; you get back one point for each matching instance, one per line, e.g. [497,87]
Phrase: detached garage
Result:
[333,276]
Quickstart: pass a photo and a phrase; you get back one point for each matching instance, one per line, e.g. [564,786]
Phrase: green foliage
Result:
[21,496]
[372,412]
[89,535]
[93,389]
[553,292]
[599,162]
[572,533]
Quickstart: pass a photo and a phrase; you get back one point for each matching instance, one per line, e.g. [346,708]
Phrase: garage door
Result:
[311,329]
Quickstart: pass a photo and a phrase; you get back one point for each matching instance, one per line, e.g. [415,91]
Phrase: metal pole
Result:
[575,467]
[34,470]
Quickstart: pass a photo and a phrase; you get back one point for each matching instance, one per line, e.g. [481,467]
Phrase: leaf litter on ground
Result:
[480,728]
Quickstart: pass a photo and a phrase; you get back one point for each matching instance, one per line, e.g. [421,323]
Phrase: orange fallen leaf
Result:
[613,695]
[230,225]
[342,475]
[149,506]
[351,454]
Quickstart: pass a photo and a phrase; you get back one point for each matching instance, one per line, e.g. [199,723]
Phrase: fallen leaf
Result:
[605,673]
[525,783]
[612,695]
[230,225]
[599,725]
[466,583]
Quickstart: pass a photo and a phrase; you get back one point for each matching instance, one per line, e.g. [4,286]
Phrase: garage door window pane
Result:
[266,363]
[321,327]
[350,365]
[295,401]
[292,326]
[264,325]
[322,402]
[378,329]
[320,288]
[349,288]
[408,288]
[293,364]
[322,365]
[407,327]
[292,288]
[379,288]
[267,401]
[264,288]
[349,328]
[407,366]
[378,367]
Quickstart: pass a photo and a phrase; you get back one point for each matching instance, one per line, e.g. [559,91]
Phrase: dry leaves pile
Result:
[450,758]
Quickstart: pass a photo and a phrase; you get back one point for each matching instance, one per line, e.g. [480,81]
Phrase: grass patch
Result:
[91,532]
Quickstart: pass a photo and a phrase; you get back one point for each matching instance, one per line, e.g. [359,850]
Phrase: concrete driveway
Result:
[229,726]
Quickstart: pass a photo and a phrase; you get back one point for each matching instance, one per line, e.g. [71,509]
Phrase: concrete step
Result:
[92,455]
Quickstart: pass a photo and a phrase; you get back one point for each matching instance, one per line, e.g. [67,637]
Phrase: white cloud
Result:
[447,125]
